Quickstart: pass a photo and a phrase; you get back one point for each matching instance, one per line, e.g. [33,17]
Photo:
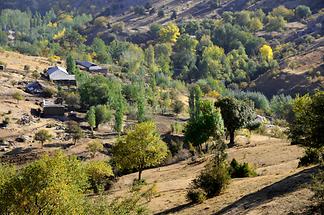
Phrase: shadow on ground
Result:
[266,194]
[286,185]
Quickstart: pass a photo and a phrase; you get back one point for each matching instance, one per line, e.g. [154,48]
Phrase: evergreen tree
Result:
[70,64]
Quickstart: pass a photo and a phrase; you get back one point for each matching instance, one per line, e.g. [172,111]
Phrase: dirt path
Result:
[274,191]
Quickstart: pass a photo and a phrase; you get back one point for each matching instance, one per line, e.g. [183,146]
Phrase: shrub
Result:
[178,107]
[215,177]
[176,128]
[241,170]
[311,156]
[161,13]
[303,11]
[94,147]
[100,175]
[196,196]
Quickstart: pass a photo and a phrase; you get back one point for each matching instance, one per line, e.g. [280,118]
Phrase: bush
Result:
[242,170]
[100,175]
[196,196]
[177,128]
[161,13]
[215,177]
[311,156]
[303,11]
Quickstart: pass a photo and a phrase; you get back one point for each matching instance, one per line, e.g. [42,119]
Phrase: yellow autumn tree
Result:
[59,35]
[266,52]
[169,33]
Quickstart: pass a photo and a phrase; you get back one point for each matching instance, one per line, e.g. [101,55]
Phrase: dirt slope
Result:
[274,191]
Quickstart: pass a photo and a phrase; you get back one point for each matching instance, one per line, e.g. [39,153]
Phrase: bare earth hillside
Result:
[279,188]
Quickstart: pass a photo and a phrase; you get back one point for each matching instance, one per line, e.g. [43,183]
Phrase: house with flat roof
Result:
[60,76]
[50,109]
[91,67]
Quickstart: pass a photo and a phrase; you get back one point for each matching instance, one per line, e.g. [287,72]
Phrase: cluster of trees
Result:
[44,35]
[58,185]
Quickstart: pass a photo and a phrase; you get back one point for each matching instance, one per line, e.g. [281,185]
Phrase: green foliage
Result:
[236,114]
[281,106]
[142,146]
[51,185]
[94,146]
[307,127]
[3,38]
[215,177]
[103,114]
[275,23]
[70,64]
[311,157]
[241,170]
[208,124]
[17,96]
[178,107]
[194,101]
[281,10]
[303,11]
[97,90]
[74,130]
[91,117]
[43,136]
[101,51]
[184,57]
[100,175]
[196,196]
[119,116]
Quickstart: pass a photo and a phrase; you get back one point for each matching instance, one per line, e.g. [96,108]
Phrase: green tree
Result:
[100,175]
[169,33]
[178,107]
[101,50]
[3,38]
[194,101]
[308,124]
[208,124]
[94,146]
[119,116]
[141,101]
[133,58]
[43,136]
[74,130]
[70,64]
[51,185]
[275,23]
[163,53]
[91,118]
[142,146]
[236,114]
[281,106]
[303,11]
[103,114]
[150,59]
[184,57]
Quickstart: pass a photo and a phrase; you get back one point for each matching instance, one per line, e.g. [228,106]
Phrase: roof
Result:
[48,103]
[89,65]
[58,73]
[86,64]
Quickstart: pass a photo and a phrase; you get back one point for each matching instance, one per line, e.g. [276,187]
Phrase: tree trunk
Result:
[232,137]
[140,174]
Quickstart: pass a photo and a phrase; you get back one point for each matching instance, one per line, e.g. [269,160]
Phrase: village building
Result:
[60,76]
[91,67]
[50,109]
[35,87]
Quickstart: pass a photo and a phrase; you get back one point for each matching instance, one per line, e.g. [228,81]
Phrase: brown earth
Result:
[279,188]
